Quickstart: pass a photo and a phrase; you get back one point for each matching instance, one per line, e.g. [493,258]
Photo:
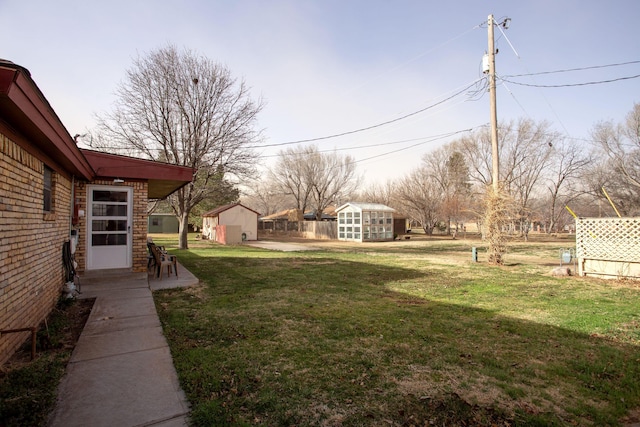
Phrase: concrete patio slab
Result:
[185,279]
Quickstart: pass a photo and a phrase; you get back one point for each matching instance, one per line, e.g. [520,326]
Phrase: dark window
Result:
[48,186]
[109,196]
[108,239]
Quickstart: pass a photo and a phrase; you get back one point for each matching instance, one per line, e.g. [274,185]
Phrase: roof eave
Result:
[25,109]
[163,178]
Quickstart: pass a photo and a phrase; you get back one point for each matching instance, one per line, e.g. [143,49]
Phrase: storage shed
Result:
[365,222]
[230,224]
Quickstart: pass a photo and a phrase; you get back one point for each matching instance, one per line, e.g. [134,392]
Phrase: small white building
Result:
[230,224]
[365,222]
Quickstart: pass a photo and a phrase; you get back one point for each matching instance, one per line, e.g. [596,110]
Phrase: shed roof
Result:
[379,207]
[217,211]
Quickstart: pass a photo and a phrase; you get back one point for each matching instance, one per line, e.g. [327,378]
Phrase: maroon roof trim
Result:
[25,109]
[164,178]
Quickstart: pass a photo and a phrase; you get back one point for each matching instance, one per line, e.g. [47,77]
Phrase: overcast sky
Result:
[334,66]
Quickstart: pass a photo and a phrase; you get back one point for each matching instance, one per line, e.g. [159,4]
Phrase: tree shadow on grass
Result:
[310,340]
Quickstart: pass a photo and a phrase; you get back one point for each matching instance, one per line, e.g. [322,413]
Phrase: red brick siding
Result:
[31,267]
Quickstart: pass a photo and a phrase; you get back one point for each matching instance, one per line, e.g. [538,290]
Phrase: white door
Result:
[109,242]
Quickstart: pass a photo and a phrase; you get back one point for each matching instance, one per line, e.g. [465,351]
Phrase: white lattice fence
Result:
[608,247]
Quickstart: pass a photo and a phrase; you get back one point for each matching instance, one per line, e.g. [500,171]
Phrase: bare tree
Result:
[314,179]
[528,155]
[476,149]
[184,109]
[621,143]
[289,176]
[567,163]
[384,193]
[332,176]
[604,174]
[524,150]
[420,197]
[449,169]
[263,197]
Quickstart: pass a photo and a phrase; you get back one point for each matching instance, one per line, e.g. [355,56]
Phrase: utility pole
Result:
[495,164]
[494,214]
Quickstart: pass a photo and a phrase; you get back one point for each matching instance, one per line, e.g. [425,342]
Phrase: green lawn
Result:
[399,336]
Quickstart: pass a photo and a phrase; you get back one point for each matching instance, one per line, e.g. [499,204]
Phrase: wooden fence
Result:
[320,229]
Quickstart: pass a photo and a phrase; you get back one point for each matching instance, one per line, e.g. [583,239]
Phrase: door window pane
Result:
[109,225]
[108,239]
[109,196]
[103,209]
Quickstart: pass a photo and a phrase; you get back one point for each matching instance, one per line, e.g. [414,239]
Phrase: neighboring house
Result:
[54,195]
[329,214]
[230,224]
[163,223]
[287,220]
[279,221]
[365,222]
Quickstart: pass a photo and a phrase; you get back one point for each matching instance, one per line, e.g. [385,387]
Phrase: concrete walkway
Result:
[121,372]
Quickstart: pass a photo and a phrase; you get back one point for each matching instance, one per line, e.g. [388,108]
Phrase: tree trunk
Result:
[183,231]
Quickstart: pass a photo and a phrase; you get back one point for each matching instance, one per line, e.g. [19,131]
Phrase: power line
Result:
[376,125]
[573,69]
[357,147]
[574,84]
[450,134]
[423,140]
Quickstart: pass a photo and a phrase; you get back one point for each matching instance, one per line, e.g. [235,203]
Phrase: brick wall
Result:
[139,229]
[140,225]
[31,267]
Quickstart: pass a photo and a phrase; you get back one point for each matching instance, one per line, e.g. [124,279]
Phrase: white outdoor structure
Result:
[365,222]
[608,247]
[236,217]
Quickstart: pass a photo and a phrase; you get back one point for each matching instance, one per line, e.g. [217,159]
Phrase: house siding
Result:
[31,266]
